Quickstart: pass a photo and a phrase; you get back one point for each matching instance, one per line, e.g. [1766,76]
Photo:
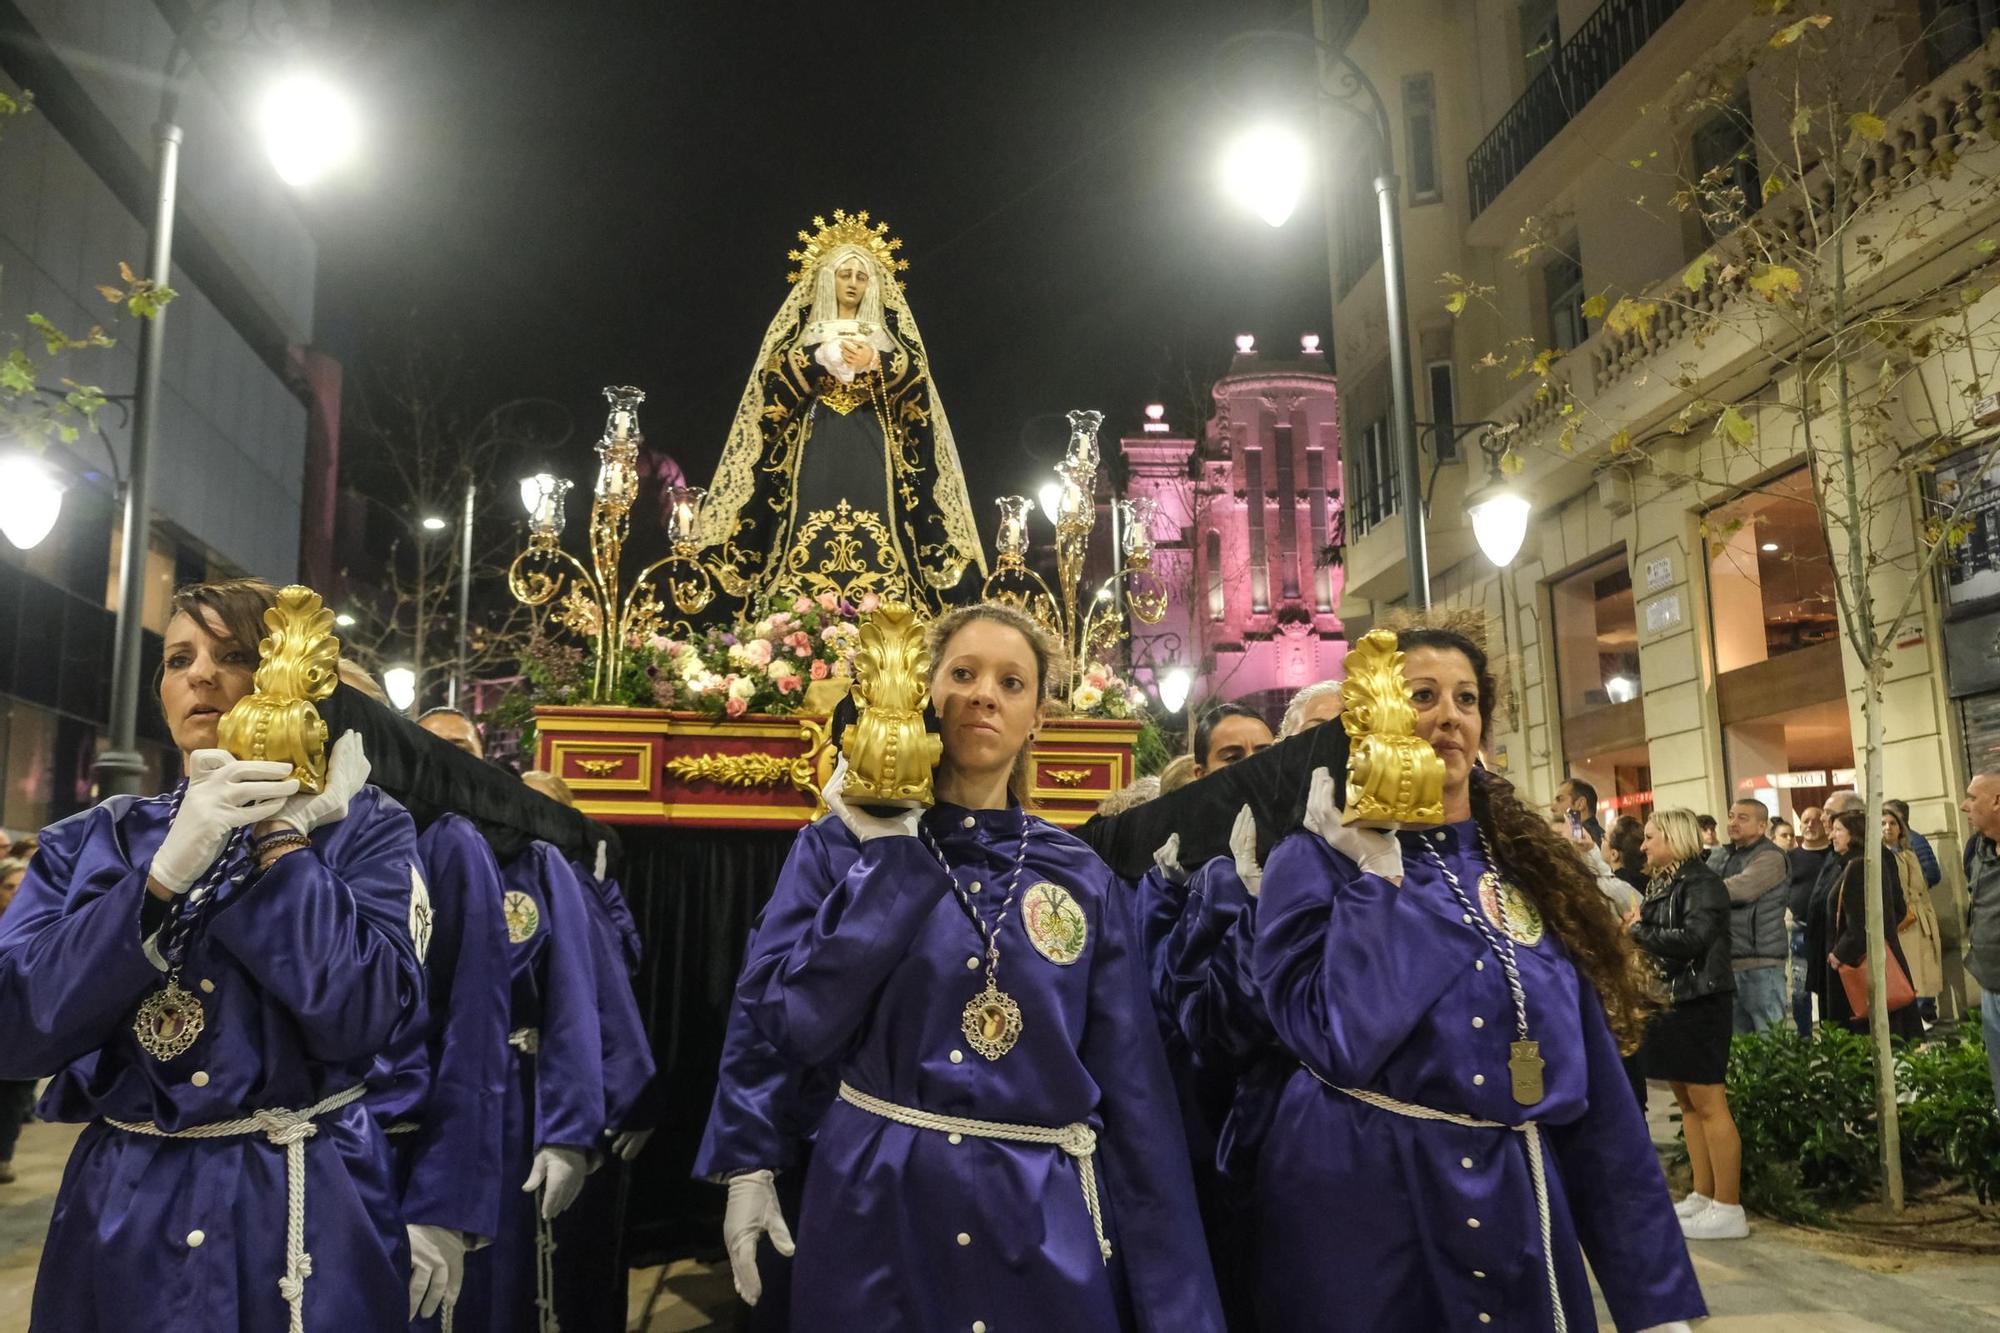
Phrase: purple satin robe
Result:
[865,959]
[305,974]
[448,1076]
[555,1097]
[1371,1220]
[630,1100]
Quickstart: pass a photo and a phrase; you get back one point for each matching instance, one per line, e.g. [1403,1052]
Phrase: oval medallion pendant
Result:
[992,1022]
[168,1022]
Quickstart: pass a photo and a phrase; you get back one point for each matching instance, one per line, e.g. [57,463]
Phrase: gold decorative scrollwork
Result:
[298,666]
[1066,777]
[600,768]
[734,770]
[830,553]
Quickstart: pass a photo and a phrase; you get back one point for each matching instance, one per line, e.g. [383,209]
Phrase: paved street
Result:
[1779,1281]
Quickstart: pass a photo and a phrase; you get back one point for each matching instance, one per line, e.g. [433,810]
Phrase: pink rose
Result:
[781,620]
[758,651]
[802,604]
[788,684]
[799,642]
[869,601]
[736,707]
[829,602]
[818,669]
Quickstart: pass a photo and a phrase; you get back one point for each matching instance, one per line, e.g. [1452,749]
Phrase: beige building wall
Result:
[1588,506]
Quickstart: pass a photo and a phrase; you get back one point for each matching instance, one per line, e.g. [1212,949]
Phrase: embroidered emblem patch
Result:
[523,917]
[420,915]
[1508,908]
[1055,923]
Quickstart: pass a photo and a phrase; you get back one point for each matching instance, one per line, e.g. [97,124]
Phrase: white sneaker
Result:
[1692,1204]
[1718,1221]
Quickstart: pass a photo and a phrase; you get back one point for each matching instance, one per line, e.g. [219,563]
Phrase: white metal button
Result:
[958,1057]
[195,1238]
[1472,1222]
[979,1326]
[1478,1273]
[1467,918]
[1479,1080]
[207,986]
[199,1078]
[1479,964]
[1485,1318]
[972,964]
[1479,1022]
[972,887]
[964,1239]
[970,822]
[954,1138]
[1465,1162]
[1439,835]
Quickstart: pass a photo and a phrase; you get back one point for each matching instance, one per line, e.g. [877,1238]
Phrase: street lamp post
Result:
[1402,392]
[460,685]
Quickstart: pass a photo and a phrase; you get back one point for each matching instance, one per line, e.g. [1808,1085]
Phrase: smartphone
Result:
[1575,823]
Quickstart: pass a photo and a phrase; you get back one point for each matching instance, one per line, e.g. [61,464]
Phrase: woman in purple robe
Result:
[209,1005]
[1004,1151]
[1456,1134]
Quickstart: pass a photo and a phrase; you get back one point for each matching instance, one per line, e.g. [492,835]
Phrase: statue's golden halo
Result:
[846,230]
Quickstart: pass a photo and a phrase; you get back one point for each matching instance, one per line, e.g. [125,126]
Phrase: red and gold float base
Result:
[654,766]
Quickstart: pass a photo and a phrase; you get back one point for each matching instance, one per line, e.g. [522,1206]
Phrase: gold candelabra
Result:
[1087,628]
[596,605]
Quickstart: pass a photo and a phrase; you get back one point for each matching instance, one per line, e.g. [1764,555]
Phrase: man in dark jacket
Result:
[1805,862]
[1755,874]
[1982,954]
[1579,798]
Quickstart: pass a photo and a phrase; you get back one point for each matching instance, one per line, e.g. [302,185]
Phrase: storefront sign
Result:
[1811,777]
[1843,777]
[1659,573]
[1973,575]
[1663,613]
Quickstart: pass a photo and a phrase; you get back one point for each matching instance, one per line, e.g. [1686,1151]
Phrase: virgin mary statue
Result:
[840,474]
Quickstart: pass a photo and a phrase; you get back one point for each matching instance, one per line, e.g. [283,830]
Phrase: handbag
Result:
[1855,979]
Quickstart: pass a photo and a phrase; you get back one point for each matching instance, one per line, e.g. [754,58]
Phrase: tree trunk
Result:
[1878,949]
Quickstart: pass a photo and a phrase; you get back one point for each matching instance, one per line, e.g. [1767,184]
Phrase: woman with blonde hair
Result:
[1004,1151]
[1684,925]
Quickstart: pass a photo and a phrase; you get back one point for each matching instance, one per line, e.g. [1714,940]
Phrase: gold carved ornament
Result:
[600,768]
[1067,777]
[1394,778]
[733,770]
[889,752]
[298,665]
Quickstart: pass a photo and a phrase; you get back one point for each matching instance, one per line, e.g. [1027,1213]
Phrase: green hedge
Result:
[1806,1113]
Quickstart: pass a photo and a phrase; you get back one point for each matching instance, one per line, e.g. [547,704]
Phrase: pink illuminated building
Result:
[1244,517]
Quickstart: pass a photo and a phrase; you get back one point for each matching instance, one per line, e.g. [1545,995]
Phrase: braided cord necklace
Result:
[1524,1058]
[991,1019]
[169,1020]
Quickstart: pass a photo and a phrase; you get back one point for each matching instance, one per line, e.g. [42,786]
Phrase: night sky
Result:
[568,196]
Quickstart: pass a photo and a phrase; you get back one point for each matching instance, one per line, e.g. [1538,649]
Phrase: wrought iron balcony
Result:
[1577,71]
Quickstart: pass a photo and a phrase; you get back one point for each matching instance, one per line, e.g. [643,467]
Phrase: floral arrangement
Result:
[1105,693]
[763,666]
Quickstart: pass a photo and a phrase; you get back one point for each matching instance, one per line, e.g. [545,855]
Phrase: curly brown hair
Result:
[1534,857]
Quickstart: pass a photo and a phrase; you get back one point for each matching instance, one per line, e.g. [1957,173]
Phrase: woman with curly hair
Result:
[1458,1134]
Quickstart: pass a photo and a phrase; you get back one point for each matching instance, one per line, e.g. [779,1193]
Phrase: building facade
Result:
[1676,630]
[1245,517]
[230,474]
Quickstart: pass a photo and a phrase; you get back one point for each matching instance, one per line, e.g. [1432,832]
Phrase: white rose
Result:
[1086,697]
[744,688]
[781,667]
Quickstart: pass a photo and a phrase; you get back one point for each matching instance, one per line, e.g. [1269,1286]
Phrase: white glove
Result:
[629,1143]
[558,1173]
[603,855]
[1374,851]
[1677,1326]
[1243,846]
[224,793]
[437,1269]
[1168,860]
[346,770]
[752,1211]
[863,825]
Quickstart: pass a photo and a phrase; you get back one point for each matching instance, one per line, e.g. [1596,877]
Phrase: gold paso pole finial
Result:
[298,666]
[1394,778]
[889,753]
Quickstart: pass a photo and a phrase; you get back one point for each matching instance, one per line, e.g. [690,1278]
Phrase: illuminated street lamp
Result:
[401,684]
[30,500]
[1265,168]
[1500,523]
[1174,685]
[308,126]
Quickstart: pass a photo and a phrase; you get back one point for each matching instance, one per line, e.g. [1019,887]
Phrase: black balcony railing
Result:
[1577,71]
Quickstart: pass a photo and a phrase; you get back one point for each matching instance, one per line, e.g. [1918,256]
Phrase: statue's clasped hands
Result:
[860,355]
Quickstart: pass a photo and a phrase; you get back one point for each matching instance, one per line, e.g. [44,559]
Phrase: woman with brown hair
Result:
[1684,926]
[1847,928]
[208,975]
[1004,1151]
[1457,1135]
[1919,922]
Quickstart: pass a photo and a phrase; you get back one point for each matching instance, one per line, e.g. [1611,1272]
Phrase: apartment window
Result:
[1725,164]
[1562,285]
[1317,517]
[1253,499]
[1215,597]
[1444,409]
[1288,510]
[1770,575]
[1541,37]
[1420,138]
[1953,29]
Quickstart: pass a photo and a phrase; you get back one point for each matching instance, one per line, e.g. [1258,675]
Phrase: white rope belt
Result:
[545,1270]
[527,1041]
[288,1130]
[1078,1140]
[1531,1134]
[403,1127]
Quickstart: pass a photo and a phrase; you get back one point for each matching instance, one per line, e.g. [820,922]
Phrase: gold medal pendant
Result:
[992,1022]
[168,1022]
[1524,1068]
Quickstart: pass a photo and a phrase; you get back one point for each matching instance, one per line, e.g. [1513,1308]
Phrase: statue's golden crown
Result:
[846,230]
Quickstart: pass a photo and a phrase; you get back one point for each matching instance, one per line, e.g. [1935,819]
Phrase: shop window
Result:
[1790,760]
[31,767]
[1597,636]
[1770,576]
